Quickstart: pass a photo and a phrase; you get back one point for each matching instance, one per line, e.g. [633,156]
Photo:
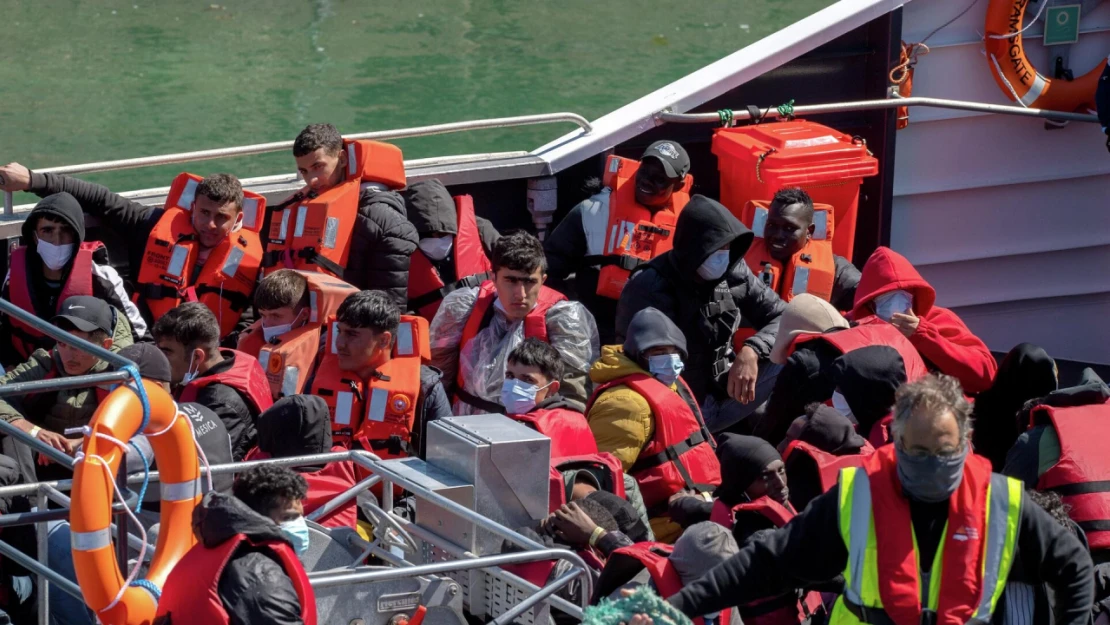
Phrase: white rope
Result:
[1006,82]
[1044,5]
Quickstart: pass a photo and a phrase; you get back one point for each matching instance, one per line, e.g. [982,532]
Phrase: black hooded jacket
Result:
[708,314]
[381,246]
[1026,372]
[233,408]
[253,587]
[106,283]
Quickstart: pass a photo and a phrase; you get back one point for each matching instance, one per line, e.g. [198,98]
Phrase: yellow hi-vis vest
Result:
[861,603]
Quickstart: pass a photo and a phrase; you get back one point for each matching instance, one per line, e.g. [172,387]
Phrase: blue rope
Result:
[146,476]
[150,587]
[141,392]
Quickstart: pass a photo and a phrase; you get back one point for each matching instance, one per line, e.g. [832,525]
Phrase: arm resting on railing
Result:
[129,219]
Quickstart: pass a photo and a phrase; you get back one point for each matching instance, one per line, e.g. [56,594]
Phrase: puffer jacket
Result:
[253,587]
[942,339]
[620,418]
[671,284]
[57,410]
[381,245]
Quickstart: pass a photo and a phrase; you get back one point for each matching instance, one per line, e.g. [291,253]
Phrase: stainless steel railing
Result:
[277,146]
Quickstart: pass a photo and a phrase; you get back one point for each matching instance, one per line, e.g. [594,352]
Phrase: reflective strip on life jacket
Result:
[811,270]
[1082,474]
[873,540]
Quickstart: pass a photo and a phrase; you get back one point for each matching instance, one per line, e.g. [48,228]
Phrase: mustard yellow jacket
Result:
[620,418]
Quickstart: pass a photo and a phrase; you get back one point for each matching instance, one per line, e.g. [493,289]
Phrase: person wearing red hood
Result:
[891,288]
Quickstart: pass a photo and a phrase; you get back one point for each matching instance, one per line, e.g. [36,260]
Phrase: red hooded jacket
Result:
[941,338]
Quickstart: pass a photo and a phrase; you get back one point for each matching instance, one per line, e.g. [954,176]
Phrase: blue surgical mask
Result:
[715,266]
[518,396]
[190,374]
[930,479]
[297,533]
[666,367]
[841,404]
[887,304]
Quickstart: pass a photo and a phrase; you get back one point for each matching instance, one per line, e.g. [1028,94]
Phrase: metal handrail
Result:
[890,103]
[324,579]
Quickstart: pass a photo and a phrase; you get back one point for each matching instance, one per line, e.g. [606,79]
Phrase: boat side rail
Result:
[277,146]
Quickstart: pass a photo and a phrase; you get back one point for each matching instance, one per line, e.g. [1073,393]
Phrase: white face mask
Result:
[274,332]
[715,266]
[436,248]
[841,404]
[887,304]
[55,256]
[191,374]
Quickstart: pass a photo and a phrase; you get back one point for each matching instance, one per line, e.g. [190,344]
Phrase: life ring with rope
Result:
[1016,75]
[125,412]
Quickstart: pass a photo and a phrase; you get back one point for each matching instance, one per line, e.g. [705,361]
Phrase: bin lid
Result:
[797,152]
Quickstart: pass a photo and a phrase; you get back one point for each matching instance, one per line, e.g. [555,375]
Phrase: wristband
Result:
[35,431]
[598,533]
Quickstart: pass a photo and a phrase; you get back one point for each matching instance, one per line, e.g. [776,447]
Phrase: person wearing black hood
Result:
[299,425]
[705,287]
[1026,372]
[244,568]
[865,381]
[54,263]
[455,245]
[382,240]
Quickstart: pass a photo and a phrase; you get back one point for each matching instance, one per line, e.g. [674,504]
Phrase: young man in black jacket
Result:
[705,287]
[910,482]
[383,239]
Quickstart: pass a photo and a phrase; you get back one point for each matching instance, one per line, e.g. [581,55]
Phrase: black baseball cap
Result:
[152,363]
[85,313]
[673,156]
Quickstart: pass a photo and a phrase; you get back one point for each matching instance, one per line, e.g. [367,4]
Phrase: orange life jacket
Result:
[680,454]
[289,358]
[811,270]
[1082,475]
[226,281]
[191,591]
[602,465]
[314,233]
[472,267]
[634,234]
[26,339]
[378,414]
[626,562]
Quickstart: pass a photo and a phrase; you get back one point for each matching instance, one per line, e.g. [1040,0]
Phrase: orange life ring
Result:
[94,558]
[1017,77]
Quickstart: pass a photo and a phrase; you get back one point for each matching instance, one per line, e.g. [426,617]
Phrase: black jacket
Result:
[708,314]
[232,407]
[254,587]
[845,282]
[382,242]
[106,282]
[131,220]
[810,550]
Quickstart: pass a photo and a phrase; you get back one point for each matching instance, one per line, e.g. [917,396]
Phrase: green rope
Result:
[726,117]
[641,601]
[786,110]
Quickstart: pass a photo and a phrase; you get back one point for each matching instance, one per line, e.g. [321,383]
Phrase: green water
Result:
[102,79]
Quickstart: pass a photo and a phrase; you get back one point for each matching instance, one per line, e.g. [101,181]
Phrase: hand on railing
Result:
[15,177]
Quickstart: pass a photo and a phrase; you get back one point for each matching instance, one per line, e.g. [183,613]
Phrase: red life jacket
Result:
[26,339]
[962,567]
[681,452]
[323,486]
[799,454]
[1082,474]
[569,433]
[315,233]
[871,331]
[626,562]
[812,270]
[472,267]
[634,234]
[226,280]
[535,323]
[766,507]
[880,432]
[245,376]
[602,465]
[191,591]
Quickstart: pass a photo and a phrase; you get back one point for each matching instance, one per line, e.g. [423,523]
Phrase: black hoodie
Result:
[253,587]
[670,283]
[867,378]
[106,283]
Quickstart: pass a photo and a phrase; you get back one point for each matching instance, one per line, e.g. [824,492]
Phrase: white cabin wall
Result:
[1008,221]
